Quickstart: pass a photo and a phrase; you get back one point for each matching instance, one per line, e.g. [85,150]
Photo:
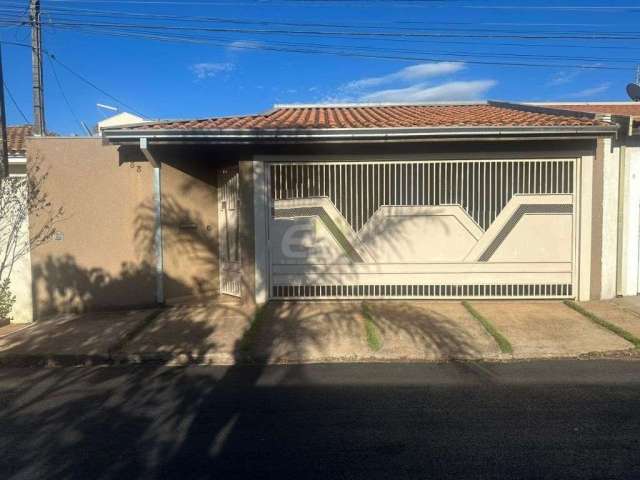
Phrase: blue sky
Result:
[236,73]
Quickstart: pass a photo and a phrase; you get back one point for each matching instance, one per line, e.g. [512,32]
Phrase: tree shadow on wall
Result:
[61,285]
[190,239]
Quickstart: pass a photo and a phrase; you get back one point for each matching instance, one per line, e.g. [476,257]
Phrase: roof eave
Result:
[127,136]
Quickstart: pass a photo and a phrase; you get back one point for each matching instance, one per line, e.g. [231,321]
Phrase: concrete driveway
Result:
[538,329]
[315,332]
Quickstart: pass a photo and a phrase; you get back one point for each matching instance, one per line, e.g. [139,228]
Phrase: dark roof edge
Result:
[129,136]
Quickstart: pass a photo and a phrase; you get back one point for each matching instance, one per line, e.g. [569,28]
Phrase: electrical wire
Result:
[64,96]
[15,104]
[75,74]
[347,53]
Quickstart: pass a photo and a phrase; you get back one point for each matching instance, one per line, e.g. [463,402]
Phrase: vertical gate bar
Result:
[445,184]
[411,178]
[435,181]
[337,174]
[285,169]
[546,177]
[464,182]
[367,193]
[276,181]
[425,184]
[429,188]
[453,182]
[353,190]
[483,205]
[375,184]
[440,176]
[513,173]
[493,188]
[357,200]
[406,185]
[348,174]
[384,183]
[316,187]
[396,184]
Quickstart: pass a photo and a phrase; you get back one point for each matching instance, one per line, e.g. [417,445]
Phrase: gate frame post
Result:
[261,203]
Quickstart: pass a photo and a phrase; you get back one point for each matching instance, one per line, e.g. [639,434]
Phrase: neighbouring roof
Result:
[122,118]
[16,139]
[631,109]
[381,117]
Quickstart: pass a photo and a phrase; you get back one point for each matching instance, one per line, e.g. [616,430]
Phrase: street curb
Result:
[53,360]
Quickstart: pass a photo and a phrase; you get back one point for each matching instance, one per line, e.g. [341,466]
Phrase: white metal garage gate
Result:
[428,229]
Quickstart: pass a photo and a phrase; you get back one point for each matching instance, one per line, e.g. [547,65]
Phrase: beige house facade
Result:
[442,201]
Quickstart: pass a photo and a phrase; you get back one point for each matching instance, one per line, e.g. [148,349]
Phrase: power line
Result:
[354,33]
[64,96]
[90,83]
[15,104]
[343,53]
[75,74]
[227,41]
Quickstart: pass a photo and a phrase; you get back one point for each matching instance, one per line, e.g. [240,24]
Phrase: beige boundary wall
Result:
[103,256]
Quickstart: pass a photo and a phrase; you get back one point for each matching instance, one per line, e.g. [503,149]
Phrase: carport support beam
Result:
[157,229]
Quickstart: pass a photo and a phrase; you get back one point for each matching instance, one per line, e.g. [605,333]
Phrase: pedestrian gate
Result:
[441,229]
[229,231]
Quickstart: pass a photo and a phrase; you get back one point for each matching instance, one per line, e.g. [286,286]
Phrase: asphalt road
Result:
[552,419]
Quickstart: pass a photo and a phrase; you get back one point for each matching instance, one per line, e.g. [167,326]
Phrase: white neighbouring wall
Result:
[611,170]
[630,254]
[21,273]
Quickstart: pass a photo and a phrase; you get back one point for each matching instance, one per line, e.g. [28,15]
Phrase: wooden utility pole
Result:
[4,148]
[36,66]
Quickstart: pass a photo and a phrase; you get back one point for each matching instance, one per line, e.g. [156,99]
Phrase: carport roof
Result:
[382,116]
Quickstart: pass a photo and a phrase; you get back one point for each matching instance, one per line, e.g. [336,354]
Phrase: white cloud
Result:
[208,70]
[561,78]
[241,45]
[592,91]
[407,74]
[462,90]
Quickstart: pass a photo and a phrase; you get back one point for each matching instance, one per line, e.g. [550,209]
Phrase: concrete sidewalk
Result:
[203,334]
[72,339]
[230,332]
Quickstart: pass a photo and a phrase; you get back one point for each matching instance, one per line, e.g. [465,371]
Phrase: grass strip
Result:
[374,339]
[628,336]
[501,340]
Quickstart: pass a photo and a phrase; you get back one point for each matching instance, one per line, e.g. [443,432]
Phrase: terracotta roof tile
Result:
[382,116]
[16,138]
[627,108]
